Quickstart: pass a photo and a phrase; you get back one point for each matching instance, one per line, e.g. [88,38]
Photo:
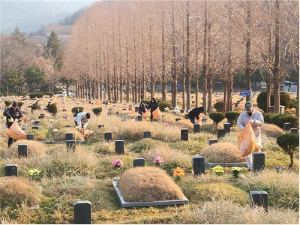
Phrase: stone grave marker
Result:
[258,161]
[184,134]
[107,136]
[177,119]
[259,198]
[119,147]
[287,126]
[294,130]
[82,212]
[221,133]
[198,165]
[212,141]
[100,125]
[22,150]
[68,136]
[37,122]
[186,116]
[227,127]
[29,136]
[139,162]
[147,134]
[35,128]
[68,125]
[11,170]
[139,118]
[196,128]
[71,145]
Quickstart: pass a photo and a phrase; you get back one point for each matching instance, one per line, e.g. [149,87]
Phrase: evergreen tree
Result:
[34,77]
[54,51]
[11,81]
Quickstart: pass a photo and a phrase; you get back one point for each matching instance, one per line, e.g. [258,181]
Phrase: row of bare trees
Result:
[119,48]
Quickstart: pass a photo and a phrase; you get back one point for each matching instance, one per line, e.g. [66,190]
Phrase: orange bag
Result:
[15,131]
[157,114]
[246,141]
[146,114]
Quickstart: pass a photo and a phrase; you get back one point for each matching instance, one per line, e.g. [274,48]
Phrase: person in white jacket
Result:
[82,119]
[257,120]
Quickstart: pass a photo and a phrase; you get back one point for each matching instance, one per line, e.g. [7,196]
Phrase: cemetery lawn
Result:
[87,173]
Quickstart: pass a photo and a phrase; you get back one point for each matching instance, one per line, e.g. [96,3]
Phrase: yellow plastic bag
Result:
[247,142]
[15,131]
[146,114]
[157,114]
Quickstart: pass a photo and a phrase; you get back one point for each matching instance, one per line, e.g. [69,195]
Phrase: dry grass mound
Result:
[16,191]
[272,130]
[222,153]
[148,184]
[34,148]
[60,135]
[145,144]
[184,124]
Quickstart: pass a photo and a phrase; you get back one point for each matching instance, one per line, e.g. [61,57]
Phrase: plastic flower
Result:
[178,172]
[236,170]
[166,109]
[147,119]
[158,160]
[168,122]
[279,169]
[218,170]
[34,174]
[117,163]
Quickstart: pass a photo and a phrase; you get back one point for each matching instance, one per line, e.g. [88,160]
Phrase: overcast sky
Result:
[30,15]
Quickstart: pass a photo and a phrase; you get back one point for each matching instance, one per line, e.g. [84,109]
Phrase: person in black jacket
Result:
[142,108]
[11,114]
[195,113]
[152,106]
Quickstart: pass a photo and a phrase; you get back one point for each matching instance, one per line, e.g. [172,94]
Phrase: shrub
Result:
[35,107]
[34,148]
[262,100]
[217,116]
[222,152]
[77,109]
[7,103]
[269,116]
[49,93]
[16,191]
[51,108]
[232,116]
[219,106]
[221,192]
[163,105]
[20,104]
[97,111]
[281,119]
[32,95]
[271,130]
[289,143]
[294,103]
[39,95]
[148,184]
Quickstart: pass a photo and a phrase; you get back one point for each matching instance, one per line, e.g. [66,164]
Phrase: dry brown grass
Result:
[184,124]
[148,184]
[16,191]
[60,134]
[222,153]
[34,148]
[272,130]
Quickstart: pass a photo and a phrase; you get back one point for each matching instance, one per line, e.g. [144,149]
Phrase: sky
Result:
[30,15]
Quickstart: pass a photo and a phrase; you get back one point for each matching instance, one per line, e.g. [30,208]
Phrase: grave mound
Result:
[34,148]
[60,135]
[145,144]
[272,130]
[16,191]
[222,152]
[148,184]
[184,124]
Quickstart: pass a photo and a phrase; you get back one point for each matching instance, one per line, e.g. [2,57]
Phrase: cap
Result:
[14,104]
[248,106]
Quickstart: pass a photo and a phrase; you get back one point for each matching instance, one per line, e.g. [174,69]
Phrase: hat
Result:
[14,104]
[248,106]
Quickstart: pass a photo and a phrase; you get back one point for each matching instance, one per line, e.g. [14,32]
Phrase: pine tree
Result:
[54,50]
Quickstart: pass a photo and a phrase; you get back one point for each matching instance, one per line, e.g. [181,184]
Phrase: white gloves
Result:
[251,121]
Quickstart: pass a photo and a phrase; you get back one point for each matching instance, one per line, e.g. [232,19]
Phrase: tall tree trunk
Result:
[209,72]
[225,97]
[152,81]
[127,74]
[204,70]
[276,64]
[163,78]
[229,94]
[248,50]
[197,72]
[174,69]
[269,81]
[188,77]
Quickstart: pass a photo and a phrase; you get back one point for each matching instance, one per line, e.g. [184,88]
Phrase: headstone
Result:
[22,150]
[196,128]
[147,134]
[177,119]
[227,127]
[11,170]
[186,116]
[139,162]
[37,122]
[287,126]
[107,136]
[184,134]
[182,110]
[69,136]
[198,165]
[259,198]
[68,125]
[212,141]
[258,161]
[64,110]
[71,144]
[236,104]
[294,130]
[221,133]
[82,212]
[35,128]
[204,119]
[124,117]
[136,109]
[100,125]
[42,114]
[29,136]
[41,117]
[109,113]
[139,118]
[119,147]
[230,121]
